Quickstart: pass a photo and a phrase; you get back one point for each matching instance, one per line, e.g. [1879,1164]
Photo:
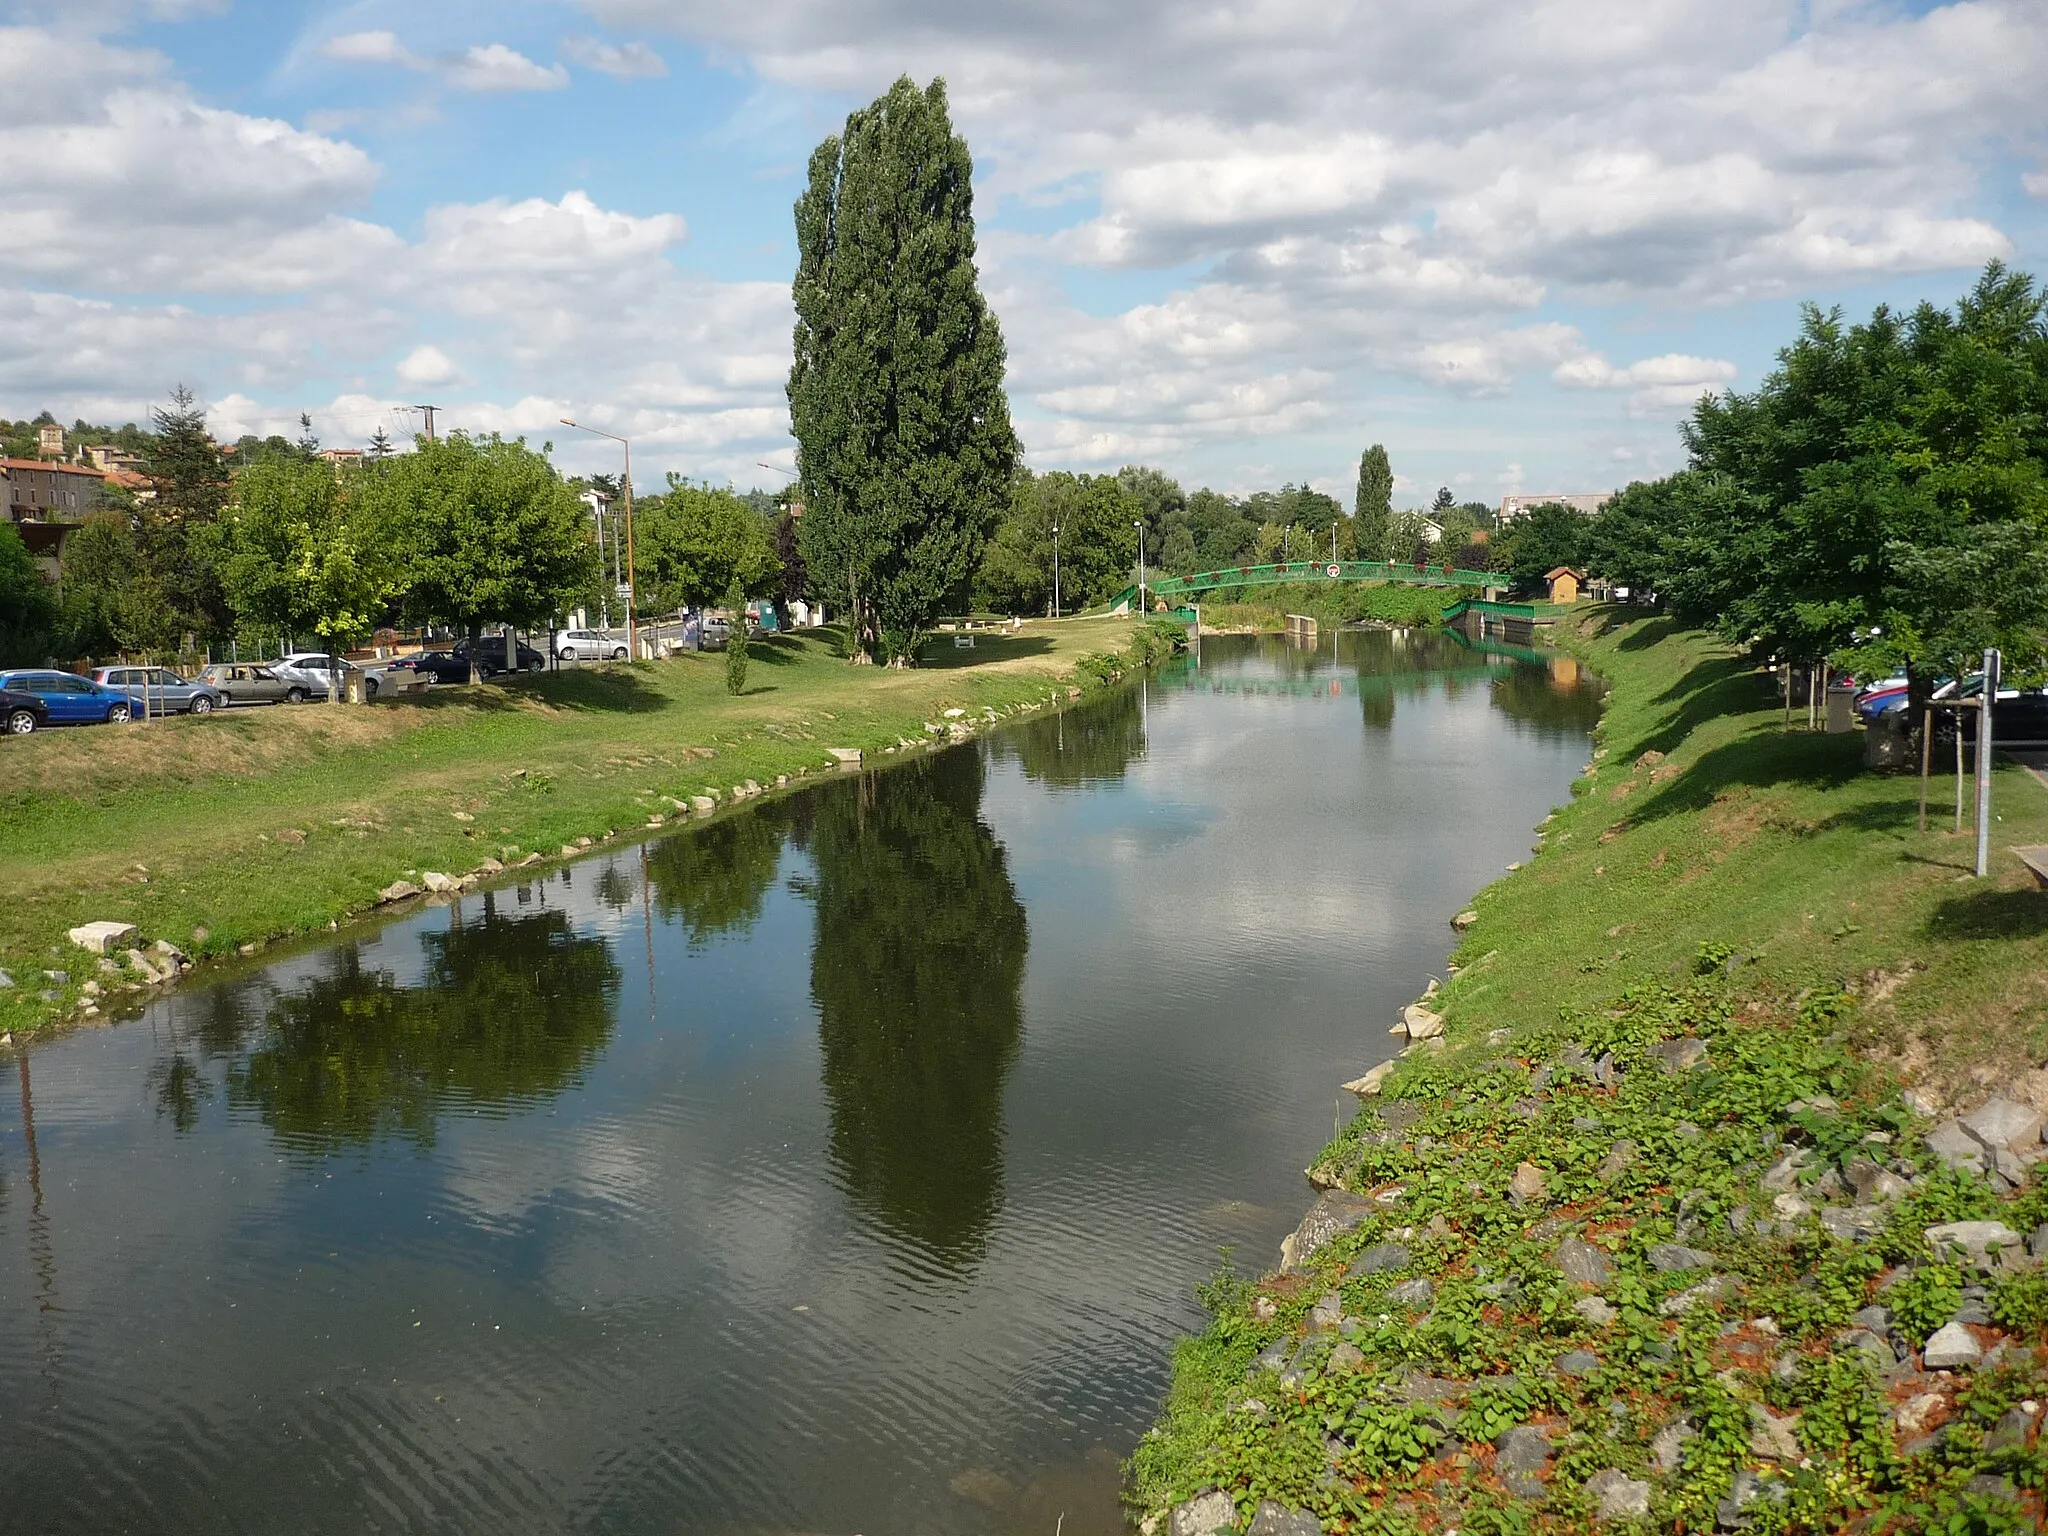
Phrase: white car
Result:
[308,670]
[588,645]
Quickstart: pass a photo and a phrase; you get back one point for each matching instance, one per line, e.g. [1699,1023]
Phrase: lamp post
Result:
[1138,524]
[1055,570]
[632,585]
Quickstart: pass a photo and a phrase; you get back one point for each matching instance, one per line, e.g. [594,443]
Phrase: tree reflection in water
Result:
[716,877]
[1092,744]
[511,1009]
[917,971]
[1558,699]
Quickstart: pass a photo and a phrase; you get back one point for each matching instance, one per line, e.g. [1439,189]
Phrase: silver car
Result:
[589,645]
[246,682]
[158,690]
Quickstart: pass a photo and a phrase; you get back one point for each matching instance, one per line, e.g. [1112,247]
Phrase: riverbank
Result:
[216,835]
[1703,1197]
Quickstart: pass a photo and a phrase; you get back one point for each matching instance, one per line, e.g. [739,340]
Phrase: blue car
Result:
[72,700]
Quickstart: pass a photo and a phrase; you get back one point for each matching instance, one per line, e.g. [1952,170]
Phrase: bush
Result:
[736,644]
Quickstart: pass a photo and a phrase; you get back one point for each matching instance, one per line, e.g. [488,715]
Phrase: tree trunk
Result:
[476,657]
[333,671]
[511,649]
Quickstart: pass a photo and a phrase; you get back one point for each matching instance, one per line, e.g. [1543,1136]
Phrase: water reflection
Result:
[508,1009]
[1556,698]
[1091,745]
[713,879]
[917,970]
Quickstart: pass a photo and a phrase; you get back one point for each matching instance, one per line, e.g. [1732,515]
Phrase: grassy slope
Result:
[173,825]
[1780,847]
[1862,941]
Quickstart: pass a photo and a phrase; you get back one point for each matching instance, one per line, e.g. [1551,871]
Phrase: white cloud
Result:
[370,48]
[494,67]
[482,67]
[1666,385]
[624,61]
[426,366]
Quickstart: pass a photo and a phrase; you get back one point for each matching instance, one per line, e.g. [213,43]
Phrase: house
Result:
[107,457]
[343,458]
[42,492]
[1589,502]
[1564,584]
[50,440]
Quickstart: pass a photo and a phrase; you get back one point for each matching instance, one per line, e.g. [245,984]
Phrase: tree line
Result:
[1879,501]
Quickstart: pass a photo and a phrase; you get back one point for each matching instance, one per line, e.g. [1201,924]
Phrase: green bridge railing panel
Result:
[1419,574]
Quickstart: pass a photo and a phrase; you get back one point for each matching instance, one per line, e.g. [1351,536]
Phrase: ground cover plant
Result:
[1657,1230]
[244,827]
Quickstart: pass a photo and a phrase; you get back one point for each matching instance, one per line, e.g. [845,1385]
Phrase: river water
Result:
[846,1165]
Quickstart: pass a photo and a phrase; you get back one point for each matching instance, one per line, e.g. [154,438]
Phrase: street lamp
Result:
[1055,570]
[1138,523]
[632,586]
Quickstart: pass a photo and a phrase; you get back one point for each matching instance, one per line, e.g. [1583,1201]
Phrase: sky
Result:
[1512,240]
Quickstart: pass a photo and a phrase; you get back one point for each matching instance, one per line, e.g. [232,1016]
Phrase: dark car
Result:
[491,653]
[440,666]
[21,713]
[2017,720]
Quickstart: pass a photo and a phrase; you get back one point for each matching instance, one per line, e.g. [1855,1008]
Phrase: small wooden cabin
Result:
[1564,583]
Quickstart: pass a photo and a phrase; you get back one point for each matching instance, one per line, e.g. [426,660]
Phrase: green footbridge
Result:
[1176,590]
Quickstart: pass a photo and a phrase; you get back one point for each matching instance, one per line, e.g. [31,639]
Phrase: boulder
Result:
[1711,1289]
[1271,1519]
[1582,1263]
[1207,1514]
[1520,1456]
[1335,1211]
[437,882]
[1951,1348]
[1416,1293]
[1620,1157]
[1345,1357]
[1418,1023]
[489,867]
[1868,1343]
[1975,1238]
[1595,1311]
[1577,1362]
[1773,1435]
[1919,1413]
[1617,1496]
[2000,1125]
[1956,1147]
[1730,1514]
[1668,1448]
[1871,1184]
[1784,1174]
[1852,1223]
[1669,1258]
[1326,1314]
[1464,920]
[1680,1055]
[1526,1185]
[1368,1086]
[703,805]
[1378,1258]
[398,890]
[102,937]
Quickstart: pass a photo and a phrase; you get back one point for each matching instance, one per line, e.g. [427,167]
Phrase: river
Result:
[844,1165]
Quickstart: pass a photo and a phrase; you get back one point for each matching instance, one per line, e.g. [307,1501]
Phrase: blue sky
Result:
[1512,241]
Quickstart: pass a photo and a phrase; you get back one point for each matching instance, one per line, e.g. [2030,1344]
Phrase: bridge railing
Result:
[1412,573]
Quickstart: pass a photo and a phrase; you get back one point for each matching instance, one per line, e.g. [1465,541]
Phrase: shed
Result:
[1564,584]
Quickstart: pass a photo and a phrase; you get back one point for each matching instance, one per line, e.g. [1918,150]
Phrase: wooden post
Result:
[1926,762]
[1959,770]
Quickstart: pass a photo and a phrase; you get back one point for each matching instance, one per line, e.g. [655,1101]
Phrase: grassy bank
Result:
[1329,603]
[1652,1233]
[240,828]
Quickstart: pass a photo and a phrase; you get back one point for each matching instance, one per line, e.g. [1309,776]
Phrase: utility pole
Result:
[1987,700]
[632,586]
[1140,526]
[428,412]
[1055,570]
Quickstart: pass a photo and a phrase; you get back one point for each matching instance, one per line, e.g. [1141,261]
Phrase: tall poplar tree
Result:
[1373,506]
[903,432]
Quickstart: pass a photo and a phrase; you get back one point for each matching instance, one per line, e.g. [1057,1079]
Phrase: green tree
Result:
[736,642]
[380,447]
[28,608]
[1098,543]
[484,532]
[300,560]
[696,543]
[101,567]
[1178,554]
[1373,503]
[1544,538]
[183,592]
[716,878]
[896,396]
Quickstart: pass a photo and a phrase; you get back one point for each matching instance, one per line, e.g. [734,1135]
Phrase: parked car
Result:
[245,682]
[589,645]
[715,634]
[158,690]
[21,713]
[491,652]
[308,671]
[434,666]
[70,700]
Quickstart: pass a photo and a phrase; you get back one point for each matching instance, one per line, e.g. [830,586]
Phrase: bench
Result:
[2036,860]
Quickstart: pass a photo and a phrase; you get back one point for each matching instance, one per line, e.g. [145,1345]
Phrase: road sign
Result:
[1333,570]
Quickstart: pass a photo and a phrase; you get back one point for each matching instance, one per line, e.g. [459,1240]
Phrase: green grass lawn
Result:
[1704,822]
[247,826]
